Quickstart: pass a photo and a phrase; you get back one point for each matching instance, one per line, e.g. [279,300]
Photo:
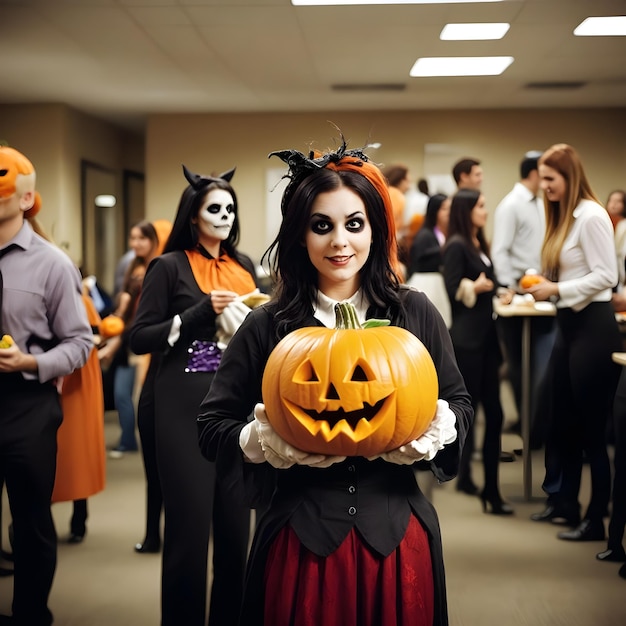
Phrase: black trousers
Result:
[618,512]
[480,371]
[29,420]
[584,383]
[147,436]
[198,500]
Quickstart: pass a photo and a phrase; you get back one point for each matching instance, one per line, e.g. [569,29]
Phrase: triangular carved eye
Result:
[306,373]
[362,373]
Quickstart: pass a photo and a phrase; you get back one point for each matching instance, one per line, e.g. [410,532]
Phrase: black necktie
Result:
[2,253]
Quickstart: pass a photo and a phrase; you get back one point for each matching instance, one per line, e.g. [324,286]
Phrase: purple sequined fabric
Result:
[204,356]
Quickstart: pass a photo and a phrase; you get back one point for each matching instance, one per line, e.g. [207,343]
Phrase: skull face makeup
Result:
[216,215]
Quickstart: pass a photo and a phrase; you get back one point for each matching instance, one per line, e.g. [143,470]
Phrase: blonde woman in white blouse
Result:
[578,258]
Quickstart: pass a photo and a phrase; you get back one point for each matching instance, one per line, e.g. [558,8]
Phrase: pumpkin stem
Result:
[345,318]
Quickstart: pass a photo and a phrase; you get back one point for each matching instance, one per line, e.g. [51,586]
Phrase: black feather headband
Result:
[300,164]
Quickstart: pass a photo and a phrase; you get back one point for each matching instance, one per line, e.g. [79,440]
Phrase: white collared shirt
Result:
[588,271]
[518,231]
[324,308]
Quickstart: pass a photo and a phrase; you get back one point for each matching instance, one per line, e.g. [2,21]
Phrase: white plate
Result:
[544,306]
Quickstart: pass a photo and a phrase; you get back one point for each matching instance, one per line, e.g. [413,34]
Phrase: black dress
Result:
[323,505]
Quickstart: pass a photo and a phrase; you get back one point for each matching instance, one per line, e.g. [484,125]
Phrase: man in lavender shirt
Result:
[42,311]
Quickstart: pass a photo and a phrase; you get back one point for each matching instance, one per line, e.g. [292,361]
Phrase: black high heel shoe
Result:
[497,506]
[148,546]
[77,533]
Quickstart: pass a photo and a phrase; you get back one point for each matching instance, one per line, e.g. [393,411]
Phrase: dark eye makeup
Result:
[322,226]
[216,208]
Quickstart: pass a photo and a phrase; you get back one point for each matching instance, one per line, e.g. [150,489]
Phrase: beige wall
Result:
[56,138]
[214,143]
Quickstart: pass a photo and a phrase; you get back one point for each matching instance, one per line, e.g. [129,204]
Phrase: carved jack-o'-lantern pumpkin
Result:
[352,390]
[111,326]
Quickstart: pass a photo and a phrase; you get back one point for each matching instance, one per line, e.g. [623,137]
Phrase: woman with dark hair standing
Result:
[426,259]
[343,540]
[144,241]
[430,238]
[578,258]
[616,207]
[471,285]
[198,276]
[151,542]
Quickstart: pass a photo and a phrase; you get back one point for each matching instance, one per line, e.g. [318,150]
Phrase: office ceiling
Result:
[123,60]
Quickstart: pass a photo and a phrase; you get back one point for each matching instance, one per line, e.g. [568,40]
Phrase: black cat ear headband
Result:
[198,181]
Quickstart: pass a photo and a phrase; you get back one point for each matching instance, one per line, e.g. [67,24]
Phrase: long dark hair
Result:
[463,201]
[296,277]
[432,209]
[184,235]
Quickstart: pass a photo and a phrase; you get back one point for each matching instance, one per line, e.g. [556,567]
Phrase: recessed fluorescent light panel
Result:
[320,3]
[602,27]
[105,201]
[474,32]
[460,66]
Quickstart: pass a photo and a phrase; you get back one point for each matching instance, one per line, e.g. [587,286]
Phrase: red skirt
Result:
[352,586]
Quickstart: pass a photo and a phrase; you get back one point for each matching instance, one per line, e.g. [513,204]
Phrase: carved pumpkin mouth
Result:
[357,425]
[367,413]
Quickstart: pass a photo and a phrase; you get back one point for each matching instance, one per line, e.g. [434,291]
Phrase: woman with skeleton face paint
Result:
[189,307]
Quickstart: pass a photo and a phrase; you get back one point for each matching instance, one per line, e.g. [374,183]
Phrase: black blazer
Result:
[470,326]
[425,254]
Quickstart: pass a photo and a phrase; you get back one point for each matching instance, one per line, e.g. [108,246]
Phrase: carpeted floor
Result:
[504,571]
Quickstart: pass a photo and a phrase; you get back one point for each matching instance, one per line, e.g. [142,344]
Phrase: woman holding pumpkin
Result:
[347,536]
[198,277]
[578,260]
[471,285]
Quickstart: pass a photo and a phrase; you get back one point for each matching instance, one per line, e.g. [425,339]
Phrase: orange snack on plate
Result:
[528,280]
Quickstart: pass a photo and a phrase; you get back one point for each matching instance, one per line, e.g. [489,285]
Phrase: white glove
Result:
[260,442]
[441,432]
[228,321]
